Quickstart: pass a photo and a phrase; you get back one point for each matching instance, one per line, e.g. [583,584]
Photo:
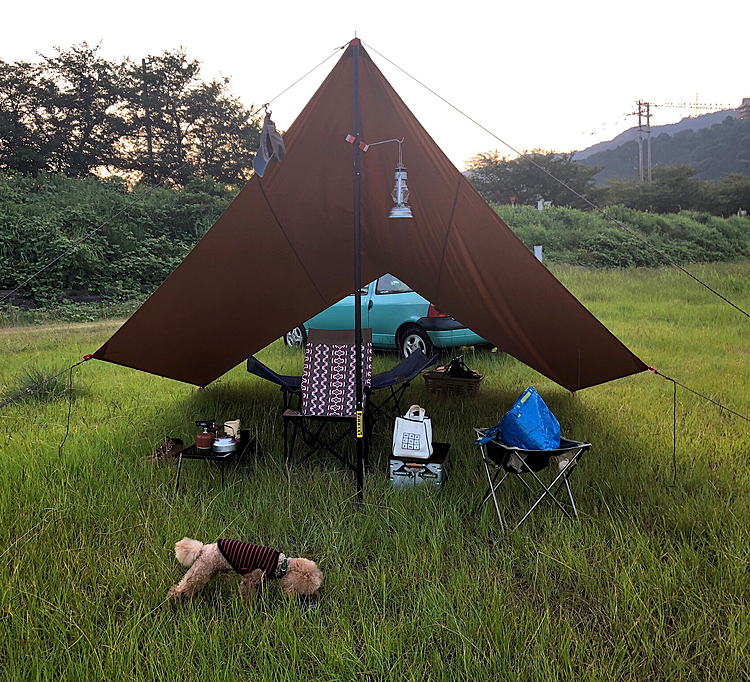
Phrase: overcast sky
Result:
[537,74]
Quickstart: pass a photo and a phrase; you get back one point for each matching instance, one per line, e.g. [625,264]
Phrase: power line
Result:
[689,105]
[672,105]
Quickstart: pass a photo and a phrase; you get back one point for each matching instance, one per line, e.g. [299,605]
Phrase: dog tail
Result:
[187,551]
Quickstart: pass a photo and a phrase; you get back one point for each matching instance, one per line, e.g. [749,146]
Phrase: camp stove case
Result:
[405,472]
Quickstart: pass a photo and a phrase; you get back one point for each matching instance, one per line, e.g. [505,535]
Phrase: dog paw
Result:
[175,593]
[251,583]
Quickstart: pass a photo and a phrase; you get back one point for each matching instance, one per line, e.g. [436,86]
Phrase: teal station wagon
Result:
[399,318]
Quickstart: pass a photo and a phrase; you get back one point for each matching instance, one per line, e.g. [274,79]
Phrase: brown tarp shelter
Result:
[284,249]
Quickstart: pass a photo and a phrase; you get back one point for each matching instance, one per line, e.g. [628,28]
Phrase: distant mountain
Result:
[713,144]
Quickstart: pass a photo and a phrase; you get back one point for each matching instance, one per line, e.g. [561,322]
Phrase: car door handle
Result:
[369,304]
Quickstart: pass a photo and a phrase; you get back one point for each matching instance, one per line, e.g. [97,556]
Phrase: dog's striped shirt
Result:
[244,557]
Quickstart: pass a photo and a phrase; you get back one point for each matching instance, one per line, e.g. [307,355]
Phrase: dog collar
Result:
[282,569]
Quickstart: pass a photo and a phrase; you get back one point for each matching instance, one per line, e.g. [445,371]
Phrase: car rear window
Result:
[388,284]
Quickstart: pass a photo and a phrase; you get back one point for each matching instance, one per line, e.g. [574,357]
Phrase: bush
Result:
[42,383]
[100,237]
[122,243]
[587,238]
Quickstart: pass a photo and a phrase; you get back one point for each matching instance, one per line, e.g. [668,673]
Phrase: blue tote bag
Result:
[528,425]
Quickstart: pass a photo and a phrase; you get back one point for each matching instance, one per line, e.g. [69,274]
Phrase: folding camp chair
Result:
[393,382]
[396,381]
[290,386]
[328,394]
[527,464]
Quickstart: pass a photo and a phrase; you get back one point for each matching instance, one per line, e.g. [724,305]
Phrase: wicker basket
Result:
[438,382]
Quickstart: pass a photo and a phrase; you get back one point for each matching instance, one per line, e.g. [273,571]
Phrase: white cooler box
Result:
[413,472]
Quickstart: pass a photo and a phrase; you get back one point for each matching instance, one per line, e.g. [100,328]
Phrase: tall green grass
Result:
[651,583]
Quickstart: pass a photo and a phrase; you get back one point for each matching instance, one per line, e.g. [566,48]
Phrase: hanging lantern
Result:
[400,193]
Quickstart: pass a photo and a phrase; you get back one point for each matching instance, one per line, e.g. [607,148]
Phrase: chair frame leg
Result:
[549,493]
[382,408]
[315,435]
[570,496]
[493,486]
[572,464]
[548,490]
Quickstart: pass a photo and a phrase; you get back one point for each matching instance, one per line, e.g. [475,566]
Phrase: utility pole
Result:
[644,111]
[640,140]
[648,137]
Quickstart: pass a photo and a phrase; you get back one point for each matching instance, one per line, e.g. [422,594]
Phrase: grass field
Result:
[652,583]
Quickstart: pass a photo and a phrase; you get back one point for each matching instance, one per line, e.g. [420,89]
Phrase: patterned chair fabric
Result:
[329,376]
[328,390]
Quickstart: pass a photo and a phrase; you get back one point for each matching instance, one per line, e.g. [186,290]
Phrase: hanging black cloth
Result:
[271,146]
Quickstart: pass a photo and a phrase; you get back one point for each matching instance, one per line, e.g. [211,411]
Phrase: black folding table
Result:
[245,446]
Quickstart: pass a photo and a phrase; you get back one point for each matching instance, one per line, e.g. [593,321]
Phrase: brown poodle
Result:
[297,577]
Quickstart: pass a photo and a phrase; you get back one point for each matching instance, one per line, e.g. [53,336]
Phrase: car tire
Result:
[414,338]
[296,338]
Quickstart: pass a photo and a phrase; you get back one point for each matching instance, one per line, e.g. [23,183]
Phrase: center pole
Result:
[358,284]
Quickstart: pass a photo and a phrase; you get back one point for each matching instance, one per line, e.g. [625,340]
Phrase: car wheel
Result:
[413,338]
[297,338]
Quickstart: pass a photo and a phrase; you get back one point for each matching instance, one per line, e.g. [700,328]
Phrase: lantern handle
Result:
[400,142]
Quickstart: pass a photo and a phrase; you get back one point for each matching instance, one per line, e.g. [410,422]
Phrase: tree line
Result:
[528,179]
[76,113]
[83,139]
[147,233]
[154,120]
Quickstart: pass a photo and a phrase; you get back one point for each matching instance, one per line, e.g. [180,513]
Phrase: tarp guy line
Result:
[565,185]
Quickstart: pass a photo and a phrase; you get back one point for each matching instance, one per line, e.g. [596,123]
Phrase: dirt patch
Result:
[62,326]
